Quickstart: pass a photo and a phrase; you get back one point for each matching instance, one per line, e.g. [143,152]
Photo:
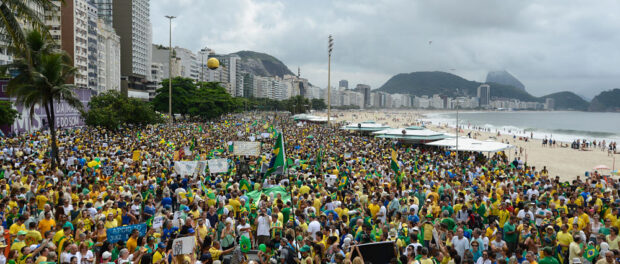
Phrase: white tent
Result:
[468,144]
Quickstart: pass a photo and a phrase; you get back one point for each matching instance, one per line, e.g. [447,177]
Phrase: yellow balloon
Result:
[213,63]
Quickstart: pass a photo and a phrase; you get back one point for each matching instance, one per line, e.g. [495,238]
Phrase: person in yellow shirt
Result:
[20,242]
[160,254]
[17,226]
[132,242]
[47,223]
[42,199]
[374,208]
[503,214]
[33,236]
[234,202]
[110,221]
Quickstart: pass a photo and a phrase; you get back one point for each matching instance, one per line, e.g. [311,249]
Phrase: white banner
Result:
[190,167]
[218,165]
[245,148]
[183,245]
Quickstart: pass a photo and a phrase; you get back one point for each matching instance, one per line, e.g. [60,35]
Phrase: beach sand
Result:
[564,162]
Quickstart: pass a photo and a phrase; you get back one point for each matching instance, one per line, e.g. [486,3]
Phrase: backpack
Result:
[290,255]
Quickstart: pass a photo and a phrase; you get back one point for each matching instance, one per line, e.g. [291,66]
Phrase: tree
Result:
[211,100]
[42,80]
[7,113]
[183,91]
[298,104]
[111,110]
[318,104]
[15,12]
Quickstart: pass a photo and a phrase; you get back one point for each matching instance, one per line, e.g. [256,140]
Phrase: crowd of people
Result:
[343,195]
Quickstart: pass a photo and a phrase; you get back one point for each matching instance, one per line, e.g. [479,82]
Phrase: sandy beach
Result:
[564,162]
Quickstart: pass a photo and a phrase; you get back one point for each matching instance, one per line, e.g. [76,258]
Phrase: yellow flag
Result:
[136,155]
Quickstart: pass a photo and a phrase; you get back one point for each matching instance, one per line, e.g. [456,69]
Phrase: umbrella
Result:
[601,167]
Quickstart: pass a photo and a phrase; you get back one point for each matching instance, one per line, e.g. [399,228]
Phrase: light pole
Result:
[170,68]
[457,126]
[330,47]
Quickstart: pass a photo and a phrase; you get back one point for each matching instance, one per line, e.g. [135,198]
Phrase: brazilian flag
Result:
[590,253]
[277,165]
[245,185]
[245,244]
[343,180]
[394,162]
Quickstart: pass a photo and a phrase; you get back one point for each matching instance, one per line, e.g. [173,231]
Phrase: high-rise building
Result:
[365,90]
[484,95]
[74,36]
[343,84]
[109,58]
[105,10]
[189,66]
[93,46]
[249,85]
[131,22]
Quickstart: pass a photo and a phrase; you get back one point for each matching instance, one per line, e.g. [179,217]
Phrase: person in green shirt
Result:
[448,221]
[511,235]
[548,259]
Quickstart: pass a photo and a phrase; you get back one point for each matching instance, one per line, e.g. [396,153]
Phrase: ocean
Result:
[563,126]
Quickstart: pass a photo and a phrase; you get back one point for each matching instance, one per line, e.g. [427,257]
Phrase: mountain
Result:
[443,83]
[607,101]
[567,101]
[262,64]
[504,77]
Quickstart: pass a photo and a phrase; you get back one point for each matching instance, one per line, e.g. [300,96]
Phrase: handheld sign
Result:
[218,165]
[183,245]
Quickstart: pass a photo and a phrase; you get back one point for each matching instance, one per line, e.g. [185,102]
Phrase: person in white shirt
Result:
[262,229]
[460,243]
[485,258]
[314,226]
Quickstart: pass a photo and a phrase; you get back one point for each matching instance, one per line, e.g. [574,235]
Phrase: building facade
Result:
[131,22]
[484,95]
[109,66]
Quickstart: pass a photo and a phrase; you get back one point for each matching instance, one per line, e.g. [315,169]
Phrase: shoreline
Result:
[567,163]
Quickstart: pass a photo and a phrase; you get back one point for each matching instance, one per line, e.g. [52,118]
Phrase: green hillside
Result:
[568,101]
[443,83]
[262,64]
[607,101]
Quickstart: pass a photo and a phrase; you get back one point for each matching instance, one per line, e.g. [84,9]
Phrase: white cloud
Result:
[551,46]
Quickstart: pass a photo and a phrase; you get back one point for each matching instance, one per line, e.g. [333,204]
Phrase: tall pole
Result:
[330,47]
[457,125]
[170,68]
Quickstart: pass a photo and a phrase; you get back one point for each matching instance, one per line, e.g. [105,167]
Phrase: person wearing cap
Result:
[106,258]
[305,255]
[160,254]
[20,240]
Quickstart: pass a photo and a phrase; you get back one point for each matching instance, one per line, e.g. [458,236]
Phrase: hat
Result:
[305,248]
[190,231]
[507,201]
[22,233]
[415,228]
[2,245]
[106,255]
[576,260]
[161,245]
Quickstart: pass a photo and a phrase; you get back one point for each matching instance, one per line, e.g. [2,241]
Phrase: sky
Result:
[550,46]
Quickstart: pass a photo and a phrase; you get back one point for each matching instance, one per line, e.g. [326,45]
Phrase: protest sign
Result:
[183,245]
[218,165]
[122,233]
[176,221]
[158,222]
[189,167]
[107,170]
[246,148]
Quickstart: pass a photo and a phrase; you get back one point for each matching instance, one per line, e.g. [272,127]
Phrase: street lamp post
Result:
[170,68]
[457,126]
[330,47]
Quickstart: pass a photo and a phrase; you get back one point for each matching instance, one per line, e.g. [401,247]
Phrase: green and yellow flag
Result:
[394,163]
[277,165]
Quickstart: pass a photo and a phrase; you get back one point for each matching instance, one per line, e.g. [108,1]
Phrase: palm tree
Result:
[16,13]
[42,80]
